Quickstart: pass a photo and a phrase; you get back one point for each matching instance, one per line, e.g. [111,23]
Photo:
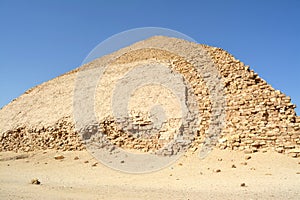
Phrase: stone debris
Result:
[59,157]
[243,184]
[60,136]
[258,117]
[248,157]
[35,181]
[17,157]
[248,151]
[244,163]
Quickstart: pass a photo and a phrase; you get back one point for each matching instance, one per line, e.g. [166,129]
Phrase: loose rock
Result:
[59,157]
[247,157]
[35,181]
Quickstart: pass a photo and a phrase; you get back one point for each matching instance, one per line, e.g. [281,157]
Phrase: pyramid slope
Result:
[258,117]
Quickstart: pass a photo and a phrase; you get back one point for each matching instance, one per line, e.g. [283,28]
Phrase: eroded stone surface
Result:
[258,117]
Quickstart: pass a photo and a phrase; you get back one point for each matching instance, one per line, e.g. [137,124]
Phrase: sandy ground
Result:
[266,175]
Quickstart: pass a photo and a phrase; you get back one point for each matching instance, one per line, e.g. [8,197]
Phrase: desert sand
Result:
[267,175]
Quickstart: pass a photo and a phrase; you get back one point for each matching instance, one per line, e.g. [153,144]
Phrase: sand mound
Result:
[258,117]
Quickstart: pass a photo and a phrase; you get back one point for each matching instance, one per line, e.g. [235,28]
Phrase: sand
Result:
[266,176]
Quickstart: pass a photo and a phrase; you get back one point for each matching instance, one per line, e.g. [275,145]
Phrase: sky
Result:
[40,40]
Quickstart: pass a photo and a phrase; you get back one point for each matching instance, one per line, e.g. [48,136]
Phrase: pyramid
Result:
[256,116]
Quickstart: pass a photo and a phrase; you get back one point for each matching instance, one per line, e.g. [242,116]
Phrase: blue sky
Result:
[40,40]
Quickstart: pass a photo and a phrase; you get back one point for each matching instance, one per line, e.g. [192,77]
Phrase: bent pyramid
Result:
[257,117]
